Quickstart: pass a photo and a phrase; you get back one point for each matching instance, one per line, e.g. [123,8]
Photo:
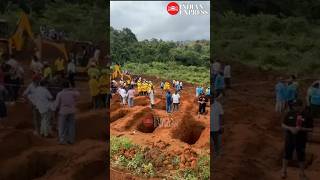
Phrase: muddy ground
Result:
[180,130]
[25,156]
[253,138]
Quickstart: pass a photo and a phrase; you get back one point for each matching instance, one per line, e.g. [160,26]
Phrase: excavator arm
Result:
[16,41]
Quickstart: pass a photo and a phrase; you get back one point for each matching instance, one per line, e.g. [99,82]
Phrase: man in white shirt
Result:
[71,70]
[43,103]
[123,95]
[97,54]
[175,101]
[216,67]
[36,66]
[216,125]
[12,62]
[29,94]
[227,75]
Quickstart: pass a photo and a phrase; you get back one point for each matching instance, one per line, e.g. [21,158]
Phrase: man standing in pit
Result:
[313,99]
[216,124]
[227,75]
[281,95]
[66,105]
[296,125]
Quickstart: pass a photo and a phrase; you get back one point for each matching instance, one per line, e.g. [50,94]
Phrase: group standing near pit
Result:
[298,120]
[51,93]
[221,81]
[172,91]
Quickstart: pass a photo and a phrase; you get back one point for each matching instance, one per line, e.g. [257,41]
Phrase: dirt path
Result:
[253,138]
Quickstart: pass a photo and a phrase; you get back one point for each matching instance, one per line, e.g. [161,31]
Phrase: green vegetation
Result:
[83,20]
[171,70]
[202,170]
[289,44]
[134,162]
[296,8]
[188,61]
[129,156]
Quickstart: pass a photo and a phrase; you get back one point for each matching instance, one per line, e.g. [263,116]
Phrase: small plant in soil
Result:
[201,171]
[176,161]
[118,143]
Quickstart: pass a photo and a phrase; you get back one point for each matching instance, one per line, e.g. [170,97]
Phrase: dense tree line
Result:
[85,20]
[125,47]
[309,9]
[39,6]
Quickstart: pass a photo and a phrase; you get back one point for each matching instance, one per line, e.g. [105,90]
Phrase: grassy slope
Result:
[289,45]
[171,70]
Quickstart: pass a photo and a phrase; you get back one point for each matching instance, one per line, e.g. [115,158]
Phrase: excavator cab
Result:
[4,29]
[4,33]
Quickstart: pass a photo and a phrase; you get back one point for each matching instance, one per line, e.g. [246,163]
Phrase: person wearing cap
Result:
[296,124]
[59,65]
[281,95]
[104,87]
[47,71]
[94,91]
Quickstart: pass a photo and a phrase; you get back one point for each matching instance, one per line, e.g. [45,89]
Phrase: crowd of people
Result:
[129,89]
[220,80]
[298,120]
[51,93]
[51,33]
[99,86]
[127,92]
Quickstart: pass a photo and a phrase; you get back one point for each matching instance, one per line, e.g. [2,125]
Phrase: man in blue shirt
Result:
[281,95]
[219,84]
[292,93]
[168,101]
[313,99]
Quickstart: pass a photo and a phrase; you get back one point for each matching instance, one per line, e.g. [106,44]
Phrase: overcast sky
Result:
[150,19]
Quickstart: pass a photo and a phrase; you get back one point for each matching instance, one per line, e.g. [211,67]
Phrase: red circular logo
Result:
[173,8]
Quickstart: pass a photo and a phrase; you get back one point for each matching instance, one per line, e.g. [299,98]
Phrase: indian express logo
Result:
[187,9]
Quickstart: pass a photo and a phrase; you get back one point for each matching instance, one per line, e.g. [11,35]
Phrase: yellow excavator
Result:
[16,41]
[118,74]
